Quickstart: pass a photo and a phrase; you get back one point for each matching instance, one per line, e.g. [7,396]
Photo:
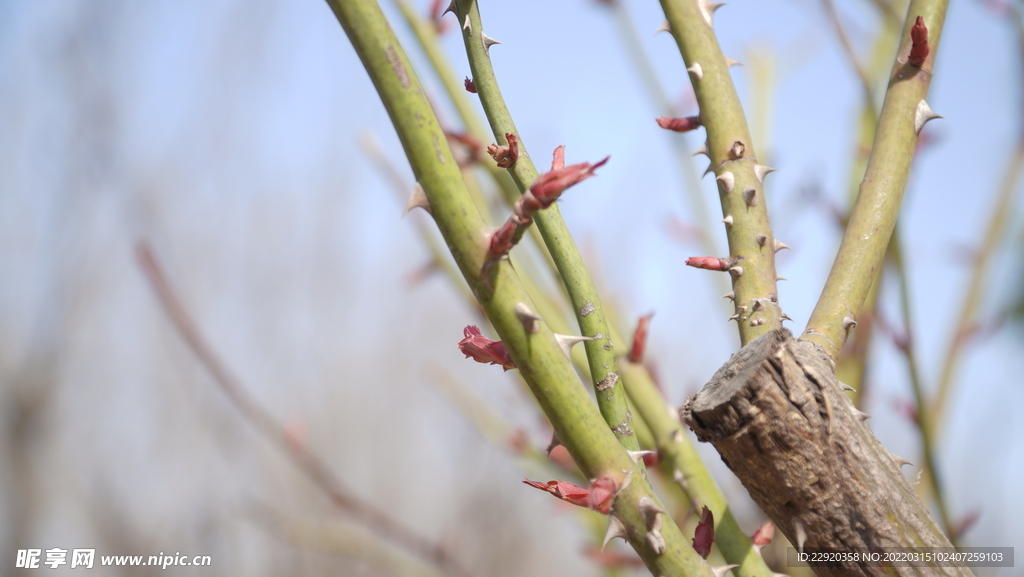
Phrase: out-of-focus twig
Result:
[373,518]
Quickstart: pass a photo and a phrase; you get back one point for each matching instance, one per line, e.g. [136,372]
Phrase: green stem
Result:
[540,361]
[874,215]
[583,295]
[735,165]
[680,460]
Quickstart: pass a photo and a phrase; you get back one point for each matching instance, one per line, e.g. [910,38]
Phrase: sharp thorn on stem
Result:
[750,196]
[779,245]
[737,271]
[466,25]
[663,28]
[728,181]
[529,319]
[697,70]
[729,295]
[488,42]
[702,150]
[565,342]
[728,220]
[707,10]
[761,239]
[616,530]
[721,571]
[923,114]
[418,199]
[730,62]
[761,170]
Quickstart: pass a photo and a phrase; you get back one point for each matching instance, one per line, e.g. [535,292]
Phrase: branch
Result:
[531,345]
[375,519]
[904,113]
[739,176]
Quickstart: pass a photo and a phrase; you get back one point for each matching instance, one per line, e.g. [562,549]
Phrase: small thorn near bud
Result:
[707,10]
[728,181]
[529,319]
[737,150]
[761,170]
[418,199]
[728,220]
[488,42]
[565,342]
[779,245]
[848,323]
[729,295]
[761,239]
[616,530]
[704,534]
[735,317]
[763,536]
[757,322]
[697,70]
[470,87]
[737,271]
[637,455]
[722,570]
[923,114]
[750,196]
[702,150]
[678,124]
[663,28]
[919,48]
[730,62]
[636,352]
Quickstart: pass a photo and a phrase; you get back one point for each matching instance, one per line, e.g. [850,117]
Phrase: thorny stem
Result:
[874,215]
[548,372]
[373,518]
[679,459]
[734,163]
[586,304]
[924,416]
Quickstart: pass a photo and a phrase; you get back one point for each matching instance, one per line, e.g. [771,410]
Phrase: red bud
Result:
[550,185]
[505,155]
[919,48]
[679,124]
[599,497]
[704,534]
[636,353]
[709,262]
[764,534]
[483,349]
[470,87]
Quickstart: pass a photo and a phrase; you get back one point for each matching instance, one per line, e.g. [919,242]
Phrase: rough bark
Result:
[780,420]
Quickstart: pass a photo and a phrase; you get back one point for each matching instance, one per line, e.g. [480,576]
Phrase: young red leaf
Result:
[919,48]
[483,349]
[470,87]
[679,124]
[764,534]
[550,185]
[636,353]
[704,534]
[505,155]
[599,497]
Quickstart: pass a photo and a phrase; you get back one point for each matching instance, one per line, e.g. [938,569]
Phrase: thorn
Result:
[637,455]
[900,460]
[779,245]
[737,271]
[750,196]
[785,317]
[467,26]
[861,415]
[418,199]
[707,10]
[702,150]
[651,512]
[663,28]
[720,571]
[847,387]
[697,70]
[848,323]
[732,62]
[708,169]
[762,239]
[728,181]
[735,317]
[451,8]
[488,42]
[923,115]
[529,319]
[555,441]
[728,220]
[757,322]
[616,530]
[780,277]
[565,342]
[761,170]
[736,150]
[656,542]
[729,295]
[677,435]
[801,534]
[757,305]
